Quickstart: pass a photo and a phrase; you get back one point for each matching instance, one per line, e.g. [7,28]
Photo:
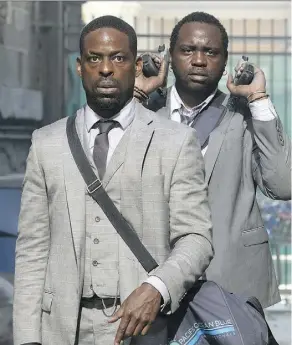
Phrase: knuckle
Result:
[127,312]
[145,319]
[128,333]
[121,331]
[135,317]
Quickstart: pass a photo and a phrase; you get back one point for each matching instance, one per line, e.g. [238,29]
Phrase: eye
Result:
[210,52]
[119,58]
[186,50]
[93,59]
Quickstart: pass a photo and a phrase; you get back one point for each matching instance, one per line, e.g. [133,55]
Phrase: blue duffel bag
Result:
[209,315]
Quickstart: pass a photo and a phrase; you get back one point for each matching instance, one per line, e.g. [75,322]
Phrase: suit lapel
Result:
[117,158]
[216,139]
[165,111]
[141,133]
[138,143]
[75,194]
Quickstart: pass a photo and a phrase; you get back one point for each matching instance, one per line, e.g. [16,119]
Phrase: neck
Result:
[192,98]
[105,112]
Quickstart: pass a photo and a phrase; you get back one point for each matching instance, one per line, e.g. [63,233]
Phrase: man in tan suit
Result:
[72,268]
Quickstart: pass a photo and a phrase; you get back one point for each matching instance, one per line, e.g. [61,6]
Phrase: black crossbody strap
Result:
[98,193]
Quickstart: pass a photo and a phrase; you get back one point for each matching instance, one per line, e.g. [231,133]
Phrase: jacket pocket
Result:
[254,236]
[47,301]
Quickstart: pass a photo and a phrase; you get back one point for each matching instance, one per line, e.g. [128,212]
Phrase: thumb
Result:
[163,69]
[117,315]
[230,83]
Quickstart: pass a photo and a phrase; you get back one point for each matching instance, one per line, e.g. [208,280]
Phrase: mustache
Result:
[107,83]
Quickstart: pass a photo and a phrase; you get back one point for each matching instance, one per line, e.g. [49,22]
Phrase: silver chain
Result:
[114,305]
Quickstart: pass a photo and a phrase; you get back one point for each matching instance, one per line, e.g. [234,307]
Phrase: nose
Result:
[199,59]
[106,68]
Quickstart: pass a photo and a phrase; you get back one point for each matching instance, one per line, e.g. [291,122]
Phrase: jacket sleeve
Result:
[190,224]
[271,158]
[32,248]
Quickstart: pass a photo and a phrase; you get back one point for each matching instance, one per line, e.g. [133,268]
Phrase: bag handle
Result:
[97,192]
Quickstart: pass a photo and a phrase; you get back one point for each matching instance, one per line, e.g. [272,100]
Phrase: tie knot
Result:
[106,126]
[185,112]
[186,115]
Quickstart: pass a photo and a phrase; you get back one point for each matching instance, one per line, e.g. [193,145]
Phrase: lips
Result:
[105,83]
[106,87]
[199,72]
[199,77]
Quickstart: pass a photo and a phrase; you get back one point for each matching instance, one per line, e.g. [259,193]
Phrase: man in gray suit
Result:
[244,147]
[72,268]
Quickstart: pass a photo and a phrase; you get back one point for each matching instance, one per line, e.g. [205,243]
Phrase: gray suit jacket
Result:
[163,196]
[244,154]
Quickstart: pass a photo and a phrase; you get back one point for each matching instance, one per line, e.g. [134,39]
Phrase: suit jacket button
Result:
[96,241]
[95,263]
[97,219]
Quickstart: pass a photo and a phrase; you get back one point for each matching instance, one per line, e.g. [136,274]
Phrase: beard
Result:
[104,103]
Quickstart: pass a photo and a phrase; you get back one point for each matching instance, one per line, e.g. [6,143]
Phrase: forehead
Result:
[200,33]
[106,38]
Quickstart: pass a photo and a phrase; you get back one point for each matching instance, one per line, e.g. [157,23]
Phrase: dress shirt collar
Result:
[176,102]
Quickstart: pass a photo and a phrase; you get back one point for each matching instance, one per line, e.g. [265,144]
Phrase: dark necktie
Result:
[101,145]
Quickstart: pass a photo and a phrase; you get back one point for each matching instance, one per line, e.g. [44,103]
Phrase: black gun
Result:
[246,76]
[149,67]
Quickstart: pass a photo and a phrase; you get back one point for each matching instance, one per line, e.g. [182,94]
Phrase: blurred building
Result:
[35,39]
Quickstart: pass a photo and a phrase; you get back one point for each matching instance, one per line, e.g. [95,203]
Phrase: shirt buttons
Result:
[96,241]
[97,219]
[95,263]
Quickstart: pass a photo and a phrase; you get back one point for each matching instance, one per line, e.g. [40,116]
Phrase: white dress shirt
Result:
[262,110]
[125,118]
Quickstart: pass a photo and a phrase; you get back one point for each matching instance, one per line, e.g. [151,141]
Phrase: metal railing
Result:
[266,42]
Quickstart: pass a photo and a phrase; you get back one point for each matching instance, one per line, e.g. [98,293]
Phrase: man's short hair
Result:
[110,22]
[200,17]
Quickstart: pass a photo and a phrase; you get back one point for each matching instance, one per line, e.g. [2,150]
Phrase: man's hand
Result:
[258,84]
[151,84]
[137,312]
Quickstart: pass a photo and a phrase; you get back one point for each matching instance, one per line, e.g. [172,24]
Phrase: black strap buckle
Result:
[94,186]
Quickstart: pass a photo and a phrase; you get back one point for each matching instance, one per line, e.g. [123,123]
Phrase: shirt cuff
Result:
[158,284]
[263,110]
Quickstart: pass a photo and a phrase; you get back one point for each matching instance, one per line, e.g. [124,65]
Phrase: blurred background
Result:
[38,85]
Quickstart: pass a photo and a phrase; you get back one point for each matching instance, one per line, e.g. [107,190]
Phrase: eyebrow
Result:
[92,52]
[193,46]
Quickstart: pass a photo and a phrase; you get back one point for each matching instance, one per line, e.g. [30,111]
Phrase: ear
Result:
[170,62]
[226,59]
[78,66]
[139,66]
